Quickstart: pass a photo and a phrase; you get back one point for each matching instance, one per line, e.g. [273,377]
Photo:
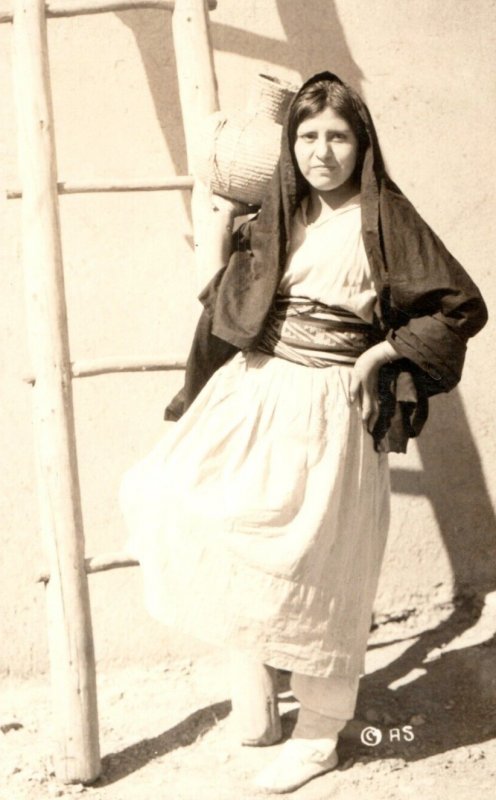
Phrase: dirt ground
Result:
[166,731]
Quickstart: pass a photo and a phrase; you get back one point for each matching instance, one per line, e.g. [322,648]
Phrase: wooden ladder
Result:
[72,661]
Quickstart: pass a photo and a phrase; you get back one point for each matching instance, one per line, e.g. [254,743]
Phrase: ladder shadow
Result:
[314,41]
[153,34]
[454,687]
[452,479]
[453,693]
[118,765]
[309,41]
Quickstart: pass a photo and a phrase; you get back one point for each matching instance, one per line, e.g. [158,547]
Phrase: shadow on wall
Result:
[453,481]
[447,672]
[314,41]
[452,477]
[153,33]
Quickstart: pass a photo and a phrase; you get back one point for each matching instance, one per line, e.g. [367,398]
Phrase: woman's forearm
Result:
[383,353]
[365,376]
[213,219]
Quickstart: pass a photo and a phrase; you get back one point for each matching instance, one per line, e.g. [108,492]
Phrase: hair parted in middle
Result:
[334,94]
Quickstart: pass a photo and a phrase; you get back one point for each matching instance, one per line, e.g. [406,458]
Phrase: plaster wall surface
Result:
[426,70]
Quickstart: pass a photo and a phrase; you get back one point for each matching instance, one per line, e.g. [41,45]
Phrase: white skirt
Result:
[260,519]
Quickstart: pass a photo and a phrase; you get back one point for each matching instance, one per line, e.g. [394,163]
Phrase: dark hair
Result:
[344,101]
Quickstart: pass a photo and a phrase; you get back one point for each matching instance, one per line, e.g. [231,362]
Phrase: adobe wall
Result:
[425,70]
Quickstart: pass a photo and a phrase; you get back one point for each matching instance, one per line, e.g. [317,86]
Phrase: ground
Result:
[166,731]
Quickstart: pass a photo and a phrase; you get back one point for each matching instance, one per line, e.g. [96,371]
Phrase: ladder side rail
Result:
[77,756]
[199,98]
[195,68]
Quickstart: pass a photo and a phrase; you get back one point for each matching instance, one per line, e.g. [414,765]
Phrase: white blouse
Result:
[327,260]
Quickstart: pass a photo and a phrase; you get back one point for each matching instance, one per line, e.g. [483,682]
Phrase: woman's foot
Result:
[254,700]
[298,762]
[271,735]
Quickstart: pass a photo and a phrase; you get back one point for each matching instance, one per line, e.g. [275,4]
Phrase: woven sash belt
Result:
[313,334]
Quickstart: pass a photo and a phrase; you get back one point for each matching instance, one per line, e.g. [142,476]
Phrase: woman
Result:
[260,520]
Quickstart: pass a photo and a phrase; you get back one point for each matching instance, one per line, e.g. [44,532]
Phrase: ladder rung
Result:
[101,563]
[181,182]
[70,8]
[104,366]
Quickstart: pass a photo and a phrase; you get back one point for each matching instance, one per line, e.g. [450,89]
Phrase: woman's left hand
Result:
[364,380]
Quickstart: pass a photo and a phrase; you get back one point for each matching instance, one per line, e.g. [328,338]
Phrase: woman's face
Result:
[326,150]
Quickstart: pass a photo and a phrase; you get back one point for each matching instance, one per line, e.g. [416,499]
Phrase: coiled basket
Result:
[236,154]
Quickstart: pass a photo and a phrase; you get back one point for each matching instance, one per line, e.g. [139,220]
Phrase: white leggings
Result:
[325,704]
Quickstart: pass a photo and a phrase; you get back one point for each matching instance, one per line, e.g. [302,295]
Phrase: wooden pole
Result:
[166,184]
[108,561]
[72,8]
[100,563]
[77,757]
[106,366]
[198,96]
[195,68]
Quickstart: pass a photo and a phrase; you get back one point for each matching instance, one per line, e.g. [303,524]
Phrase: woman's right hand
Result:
[213,221]
[233,208]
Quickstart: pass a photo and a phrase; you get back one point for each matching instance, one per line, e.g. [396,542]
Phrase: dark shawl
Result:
[427,304]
